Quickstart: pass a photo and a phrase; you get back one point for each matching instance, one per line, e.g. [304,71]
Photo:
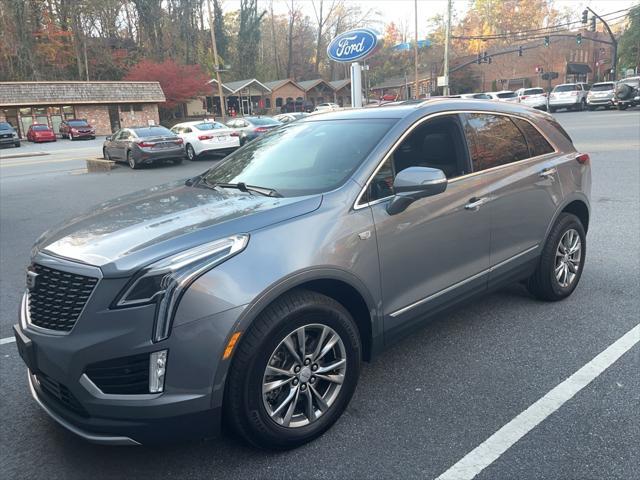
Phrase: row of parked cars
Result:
[139,146]
[72,129]
[571,96]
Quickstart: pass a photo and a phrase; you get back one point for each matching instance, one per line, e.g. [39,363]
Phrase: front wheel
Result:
[105,154]
[294,372]
[562,260]
[622,107]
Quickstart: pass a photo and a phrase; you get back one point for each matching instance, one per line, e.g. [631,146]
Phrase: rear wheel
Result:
[294,372]
[562,260]
[131,161]
[622,107]
[191,153]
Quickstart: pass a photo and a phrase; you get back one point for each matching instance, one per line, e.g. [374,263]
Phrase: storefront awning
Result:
[578,68]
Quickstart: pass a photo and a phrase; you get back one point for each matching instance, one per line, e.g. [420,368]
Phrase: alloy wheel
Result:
[304,375]
[130,160]
[191,154]
[568,257]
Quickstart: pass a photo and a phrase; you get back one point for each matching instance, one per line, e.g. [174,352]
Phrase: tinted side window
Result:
[538,145]
[497,141]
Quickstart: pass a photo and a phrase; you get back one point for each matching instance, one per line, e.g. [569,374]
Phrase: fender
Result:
[567,200]
[295,279]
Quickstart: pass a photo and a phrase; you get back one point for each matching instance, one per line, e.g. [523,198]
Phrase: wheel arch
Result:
[580,209]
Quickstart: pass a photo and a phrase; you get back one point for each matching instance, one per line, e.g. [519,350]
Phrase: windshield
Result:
[78,123]
[209,126]
[303,158]
[263,121]
[152,132]
[39,127]
[5,126]
[565,88]
[533,91]
[599,87]
[634,82]
[506,95]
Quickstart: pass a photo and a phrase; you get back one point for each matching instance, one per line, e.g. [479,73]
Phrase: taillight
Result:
[234,134]
[261,129]
[145,144]
[524,96]
[179,141]
[583,158]
[205,137]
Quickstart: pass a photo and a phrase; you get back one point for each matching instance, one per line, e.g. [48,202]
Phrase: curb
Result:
[22,155]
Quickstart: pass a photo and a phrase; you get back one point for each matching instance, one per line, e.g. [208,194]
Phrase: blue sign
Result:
[404,47]
[354,45]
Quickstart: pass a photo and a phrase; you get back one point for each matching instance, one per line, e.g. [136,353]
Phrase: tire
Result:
[253,414]
[583,105]
[544,284]
[191,153]
[71,137]
[105,154]
[622,107]
[132,161]
[17,144]
[591,109]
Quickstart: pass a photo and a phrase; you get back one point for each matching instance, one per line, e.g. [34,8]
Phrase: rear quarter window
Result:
[538,145]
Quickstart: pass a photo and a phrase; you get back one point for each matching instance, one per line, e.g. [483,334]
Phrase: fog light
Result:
[157,368]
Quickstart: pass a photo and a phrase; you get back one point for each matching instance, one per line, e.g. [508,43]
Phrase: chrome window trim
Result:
[357,205]
[461,283]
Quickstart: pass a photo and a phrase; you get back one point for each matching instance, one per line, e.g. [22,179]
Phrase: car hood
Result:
[124,234]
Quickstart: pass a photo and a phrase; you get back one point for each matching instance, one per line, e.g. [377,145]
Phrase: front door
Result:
[436,250]
[520,169]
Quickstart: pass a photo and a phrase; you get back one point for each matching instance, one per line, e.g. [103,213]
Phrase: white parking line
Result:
[7,340]
[493,447]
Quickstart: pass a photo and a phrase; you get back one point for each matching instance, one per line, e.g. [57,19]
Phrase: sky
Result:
[400,11]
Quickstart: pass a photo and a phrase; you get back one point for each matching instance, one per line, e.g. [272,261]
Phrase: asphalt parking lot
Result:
[423,407]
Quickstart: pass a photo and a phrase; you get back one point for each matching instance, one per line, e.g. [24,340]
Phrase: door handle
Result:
[475,203]
[548,172]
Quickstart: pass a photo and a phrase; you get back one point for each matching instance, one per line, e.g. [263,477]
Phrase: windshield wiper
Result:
[243,187]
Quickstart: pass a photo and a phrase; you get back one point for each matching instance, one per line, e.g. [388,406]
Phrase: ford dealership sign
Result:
[354,45]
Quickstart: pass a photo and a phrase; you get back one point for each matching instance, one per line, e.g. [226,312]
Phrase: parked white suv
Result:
[532,97]
[572,96]
[327,107]
[503,96]
[601,95]
[202,136]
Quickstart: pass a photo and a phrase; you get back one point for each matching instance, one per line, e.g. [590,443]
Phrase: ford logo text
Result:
[354,45]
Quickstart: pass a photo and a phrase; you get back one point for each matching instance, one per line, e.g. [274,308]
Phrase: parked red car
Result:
[40,133]
[76,128]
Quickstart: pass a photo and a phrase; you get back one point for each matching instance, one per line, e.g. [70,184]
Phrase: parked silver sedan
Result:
[143,146]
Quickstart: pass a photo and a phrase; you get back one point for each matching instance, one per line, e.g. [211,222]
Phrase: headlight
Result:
[164,282]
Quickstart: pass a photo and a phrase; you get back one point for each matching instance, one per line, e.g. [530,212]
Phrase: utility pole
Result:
[416,94]
[614,60]
[445,90]
[215,62]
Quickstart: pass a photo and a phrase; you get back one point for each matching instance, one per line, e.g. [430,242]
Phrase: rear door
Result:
[519,167]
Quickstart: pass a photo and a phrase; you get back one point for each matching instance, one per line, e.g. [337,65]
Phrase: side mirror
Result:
[414,183]
[108,138]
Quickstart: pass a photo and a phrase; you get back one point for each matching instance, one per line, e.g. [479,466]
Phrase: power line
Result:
[549,28]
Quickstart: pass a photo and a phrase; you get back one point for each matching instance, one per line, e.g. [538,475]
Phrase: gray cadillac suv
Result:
[250,294]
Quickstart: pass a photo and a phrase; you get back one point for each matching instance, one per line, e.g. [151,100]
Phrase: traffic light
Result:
[520,51]
[585,15]
[592,27]
[579,39]
[546,40]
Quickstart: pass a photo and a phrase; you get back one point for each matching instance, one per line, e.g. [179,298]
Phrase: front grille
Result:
[125,376]
[58,298]
[59,394]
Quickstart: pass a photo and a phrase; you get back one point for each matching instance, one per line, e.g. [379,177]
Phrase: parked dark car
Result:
[627,93]
[143,146]
[40,133]
[249,128]
[252,293]
[8,135]
[297,106]
[76,128]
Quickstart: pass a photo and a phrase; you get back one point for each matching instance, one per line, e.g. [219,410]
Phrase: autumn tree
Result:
[180,83]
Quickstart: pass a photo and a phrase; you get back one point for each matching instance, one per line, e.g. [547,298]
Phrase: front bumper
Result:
[191,403]
[9,140]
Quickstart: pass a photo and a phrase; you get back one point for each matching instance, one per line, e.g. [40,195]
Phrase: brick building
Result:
[342,92]
[588,62]
[282,92]
[108,106]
